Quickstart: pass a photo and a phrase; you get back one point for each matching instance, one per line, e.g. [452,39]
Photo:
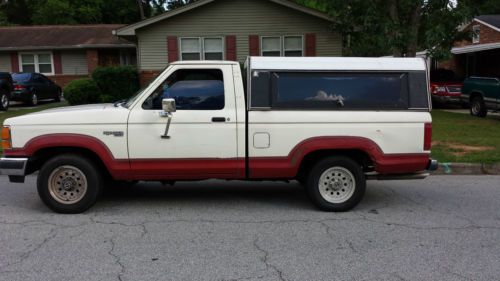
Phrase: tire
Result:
[4,101]
[336,184]
[69,184]
[58,96]
[33,101]
[477,107]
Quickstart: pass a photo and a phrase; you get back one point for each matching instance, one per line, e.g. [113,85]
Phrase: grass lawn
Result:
[463,138]
[13,112]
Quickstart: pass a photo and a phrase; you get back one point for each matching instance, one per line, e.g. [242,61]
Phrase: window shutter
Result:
[253,42]
[173,48]
[231,47]
[310,45]
[57,62]
[14,62]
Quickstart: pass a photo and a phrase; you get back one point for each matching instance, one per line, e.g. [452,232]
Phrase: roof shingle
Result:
[60,36]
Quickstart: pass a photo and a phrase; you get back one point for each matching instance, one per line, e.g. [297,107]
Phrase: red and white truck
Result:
[330,123]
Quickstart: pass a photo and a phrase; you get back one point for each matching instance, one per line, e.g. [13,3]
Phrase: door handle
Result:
[219,119]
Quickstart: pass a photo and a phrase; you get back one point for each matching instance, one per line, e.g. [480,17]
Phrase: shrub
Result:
[116,82]
[82,91]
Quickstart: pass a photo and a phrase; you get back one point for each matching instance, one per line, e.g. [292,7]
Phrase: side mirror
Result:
[168,105]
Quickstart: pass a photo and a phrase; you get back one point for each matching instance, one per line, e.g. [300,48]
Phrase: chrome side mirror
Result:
[168,105]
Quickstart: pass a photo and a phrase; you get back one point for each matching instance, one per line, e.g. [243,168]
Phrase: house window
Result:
[287,46]
[271,46]
[476,31]
[32,62]
[210,48]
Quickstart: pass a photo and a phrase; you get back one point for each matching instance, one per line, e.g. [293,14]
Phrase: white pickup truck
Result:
[330,123]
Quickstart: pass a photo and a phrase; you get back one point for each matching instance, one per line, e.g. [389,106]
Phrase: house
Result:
[63,52]
[479,56]
[230,30]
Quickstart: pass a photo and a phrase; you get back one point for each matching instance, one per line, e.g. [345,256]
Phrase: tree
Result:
[399,27]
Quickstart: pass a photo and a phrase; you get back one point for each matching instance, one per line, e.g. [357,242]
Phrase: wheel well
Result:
[474,94]
[360,156]
[43,155]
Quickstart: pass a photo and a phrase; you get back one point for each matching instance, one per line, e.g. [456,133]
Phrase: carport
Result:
[477,60]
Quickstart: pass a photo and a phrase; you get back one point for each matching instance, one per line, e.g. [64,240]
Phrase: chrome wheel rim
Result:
[5,101]
[34,99]
[337,185]
[475,107]
[67,185]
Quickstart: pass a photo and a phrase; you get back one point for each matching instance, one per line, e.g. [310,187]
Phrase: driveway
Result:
[442,228]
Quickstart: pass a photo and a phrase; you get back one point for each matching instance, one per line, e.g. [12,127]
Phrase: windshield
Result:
[21,77]
[139,93]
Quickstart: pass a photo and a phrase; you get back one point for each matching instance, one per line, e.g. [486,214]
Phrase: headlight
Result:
[6,138]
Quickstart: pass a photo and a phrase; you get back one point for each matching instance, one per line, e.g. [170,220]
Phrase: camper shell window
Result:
[338,90]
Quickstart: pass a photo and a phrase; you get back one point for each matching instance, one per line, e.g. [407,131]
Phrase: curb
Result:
[467,169]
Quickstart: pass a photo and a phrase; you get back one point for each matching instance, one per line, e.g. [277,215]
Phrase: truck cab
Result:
[330,123]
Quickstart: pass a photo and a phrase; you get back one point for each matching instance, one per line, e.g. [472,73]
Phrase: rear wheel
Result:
[33,100]
[336,184]
[69,184]
[477,107]
[58,96]
[4,101]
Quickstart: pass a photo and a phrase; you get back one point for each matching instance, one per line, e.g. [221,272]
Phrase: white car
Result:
[330,123]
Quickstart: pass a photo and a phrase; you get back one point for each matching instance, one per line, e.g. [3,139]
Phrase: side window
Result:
[37,79]
[192,89]
[340,90]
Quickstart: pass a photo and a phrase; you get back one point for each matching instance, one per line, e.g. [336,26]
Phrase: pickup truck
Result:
[6,86]
[329,123]
[482,94]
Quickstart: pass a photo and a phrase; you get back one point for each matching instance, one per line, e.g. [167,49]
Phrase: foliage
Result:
[116,82]
[397,27]
[27,12]
[82,91]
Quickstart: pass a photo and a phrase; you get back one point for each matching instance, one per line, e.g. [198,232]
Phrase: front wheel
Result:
[58,96]
[4,101]
[477,107]
[336,184]
[69,184]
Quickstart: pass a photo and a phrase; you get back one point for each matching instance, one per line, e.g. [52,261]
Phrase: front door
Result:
[202,136]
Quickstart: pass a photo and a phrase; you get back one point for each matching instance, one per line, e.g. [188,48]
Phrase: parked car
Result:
[32,87]
[330,123]
[482,94]
[5,90]
[446,87]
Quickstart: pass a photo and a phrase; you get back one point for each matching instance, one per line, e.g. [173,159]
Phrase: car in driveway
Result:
[446,87]
[32,87]
[483,94]
[5,89]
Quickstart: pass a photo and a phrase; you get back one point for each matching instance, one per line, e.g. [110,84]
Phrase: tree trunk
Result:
[414,28]
[394,33]
[141,9]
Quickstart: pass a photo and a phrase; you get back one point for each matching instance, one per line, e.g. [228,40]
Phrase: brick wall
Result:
[147,76]
[63,80]
[486,35]
[92,59]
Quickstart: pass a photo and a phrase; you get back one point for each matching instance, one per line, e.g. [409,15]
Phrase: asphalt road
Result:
[442,228]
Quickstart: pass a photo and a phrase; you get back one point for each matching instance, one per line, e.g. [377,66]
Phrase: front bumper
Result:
[13,166]
[446,99]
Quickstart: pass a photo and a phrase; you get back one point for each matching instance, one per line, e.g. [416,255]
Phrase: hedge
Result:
[116,82]
[82,91]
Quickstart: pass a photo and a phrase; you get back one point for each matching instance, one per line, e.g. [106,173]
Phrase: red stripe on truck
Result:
[227,168]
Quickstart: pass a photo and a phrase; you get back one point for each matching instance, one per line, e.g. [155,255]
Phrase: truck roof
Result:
[204,62]
[336,64]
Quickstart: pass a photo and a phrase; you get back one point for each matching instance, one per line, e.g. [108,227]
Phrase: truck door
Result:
[202,137]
